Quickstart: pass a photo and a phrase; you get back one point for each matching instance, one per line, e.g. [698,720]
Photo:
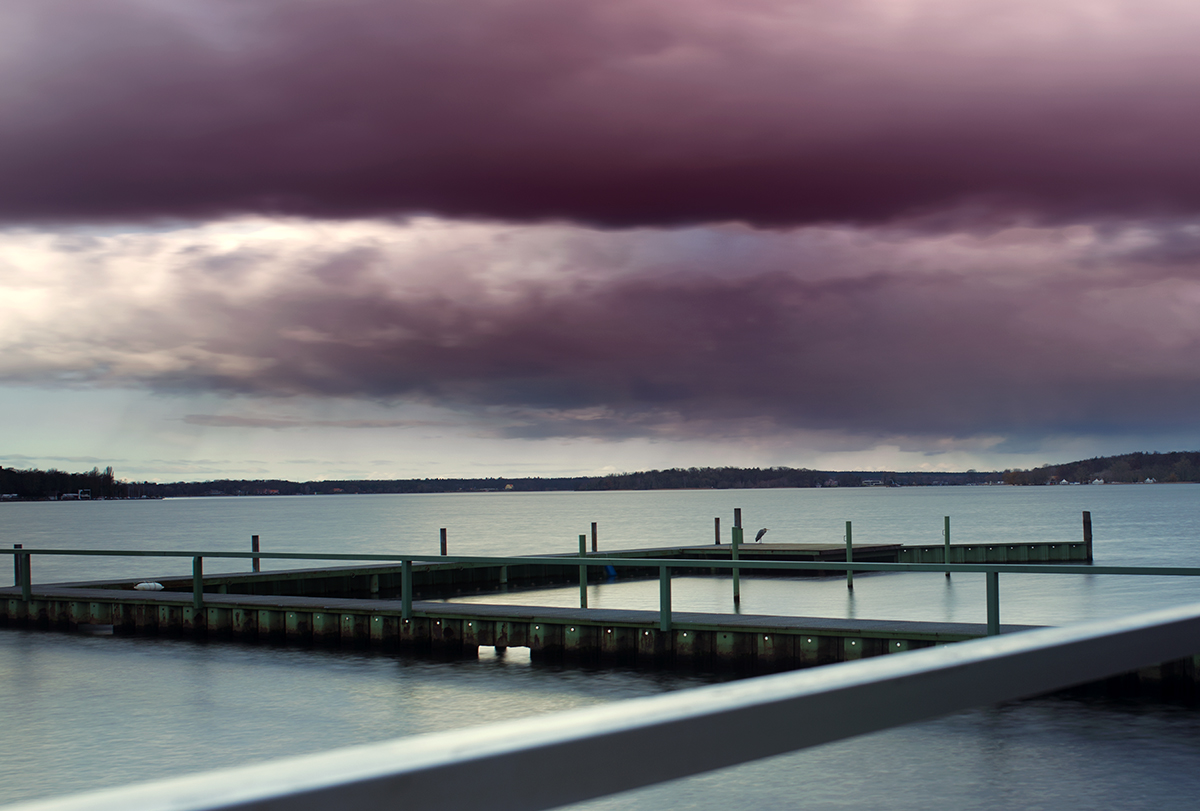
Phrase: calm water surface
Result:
[83,712]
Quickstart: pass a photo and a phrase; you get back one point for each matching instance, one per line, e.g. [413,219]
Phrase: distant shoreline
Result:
[54,485]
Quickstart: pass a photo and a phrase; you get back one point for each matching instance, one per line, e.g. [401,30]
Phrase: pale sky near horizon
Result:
[392,239]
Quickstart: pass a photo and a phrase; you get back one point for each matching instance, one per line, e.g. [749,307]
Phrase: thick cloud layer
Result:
[619,113]
[558,331]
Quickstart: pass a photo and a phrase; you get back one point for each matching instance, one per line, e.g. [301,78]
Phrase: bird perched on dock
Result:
[761,533]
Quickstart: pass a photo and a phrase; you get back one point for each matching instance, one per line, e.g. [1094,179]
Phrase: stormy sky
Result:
[381,238]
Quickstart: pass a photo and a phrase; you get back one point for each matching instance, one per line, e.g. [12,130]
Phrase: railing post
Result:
[993,603]
[583,572]
[664,598]
[946,541]
[849,556]
[1087,533]
[198,583]
[443,540]
[25,575]
[406,589]
[255,564]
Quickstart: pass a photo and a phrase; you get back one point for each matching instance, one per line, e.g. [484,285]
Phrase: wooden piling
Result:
[595,538]
[717,530]
[254,562]
[443,540]
[849,556]
[583,572]
[735,542]
[1087,533]
[946,541]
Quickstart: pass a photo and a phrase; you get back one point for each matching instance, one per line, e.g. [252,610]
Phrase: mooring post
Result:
[664,598]
[849,556]
[993,603]
[735,541]
[595,538]
[406,589]
[17,565]
[198,583]
[254,562]
[946,541]
[1087,533]
[443,540]
[583,572]
[717,530]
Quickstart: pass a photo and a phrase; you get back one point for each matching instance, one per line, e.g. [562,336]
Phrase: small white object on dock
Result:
[148,586]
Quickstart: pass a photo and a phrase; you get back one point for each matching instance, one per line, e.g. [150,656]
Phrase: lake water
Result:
[82,712]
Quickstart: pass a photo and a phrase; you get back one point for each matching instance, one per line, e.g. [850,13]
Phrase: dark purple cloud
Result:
[618,113]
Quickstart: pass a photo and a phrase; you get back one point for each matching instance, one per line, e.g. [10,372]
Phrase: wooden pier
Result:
[434,580]
[356,606]
[599,635]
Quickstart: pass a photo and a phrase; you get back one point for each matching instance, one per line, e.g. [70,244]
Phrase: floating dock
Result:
[357,607]
[433,580]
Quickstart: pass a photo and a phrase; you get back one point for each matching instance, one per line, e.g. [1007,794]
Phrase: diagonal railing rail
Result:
[636,743]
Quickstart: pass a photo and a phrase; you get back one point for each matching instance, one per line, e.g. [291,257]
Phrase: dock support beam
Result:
[946,541]
[849,556]
[583,572]
[993,603]
[664,598]
[406,594]
[198,583]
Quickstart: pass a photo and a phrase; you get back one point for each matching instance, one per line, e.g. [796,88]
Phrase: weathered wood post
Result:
[443,540]
[717,530]
[849,556]
[735,540]
[22,573]
[946,541]
[198,584]
[583,572]
[26,577]
[595,538]
[993,603]
[406,589]
[254,562]
[1087,533]
[664,598]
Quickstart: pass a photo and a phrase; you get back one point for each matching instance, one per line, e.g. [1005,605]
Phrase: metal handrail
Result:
[640,742]
[664,566]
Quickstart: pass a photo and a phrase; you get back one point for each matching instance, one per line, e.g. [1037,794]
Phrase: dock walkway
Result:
[758,642]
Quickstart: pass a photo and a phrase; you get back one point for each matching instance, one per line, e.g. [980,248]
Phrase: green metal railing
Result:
[991,571]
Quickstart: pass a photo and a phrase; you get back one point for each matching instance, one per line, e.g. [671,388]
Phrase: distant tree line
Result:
[1178,466]
[724,478]
[57,484]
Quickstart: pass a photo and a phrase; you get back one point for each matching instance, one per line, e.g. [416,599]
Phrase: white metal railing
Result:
[535,763]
